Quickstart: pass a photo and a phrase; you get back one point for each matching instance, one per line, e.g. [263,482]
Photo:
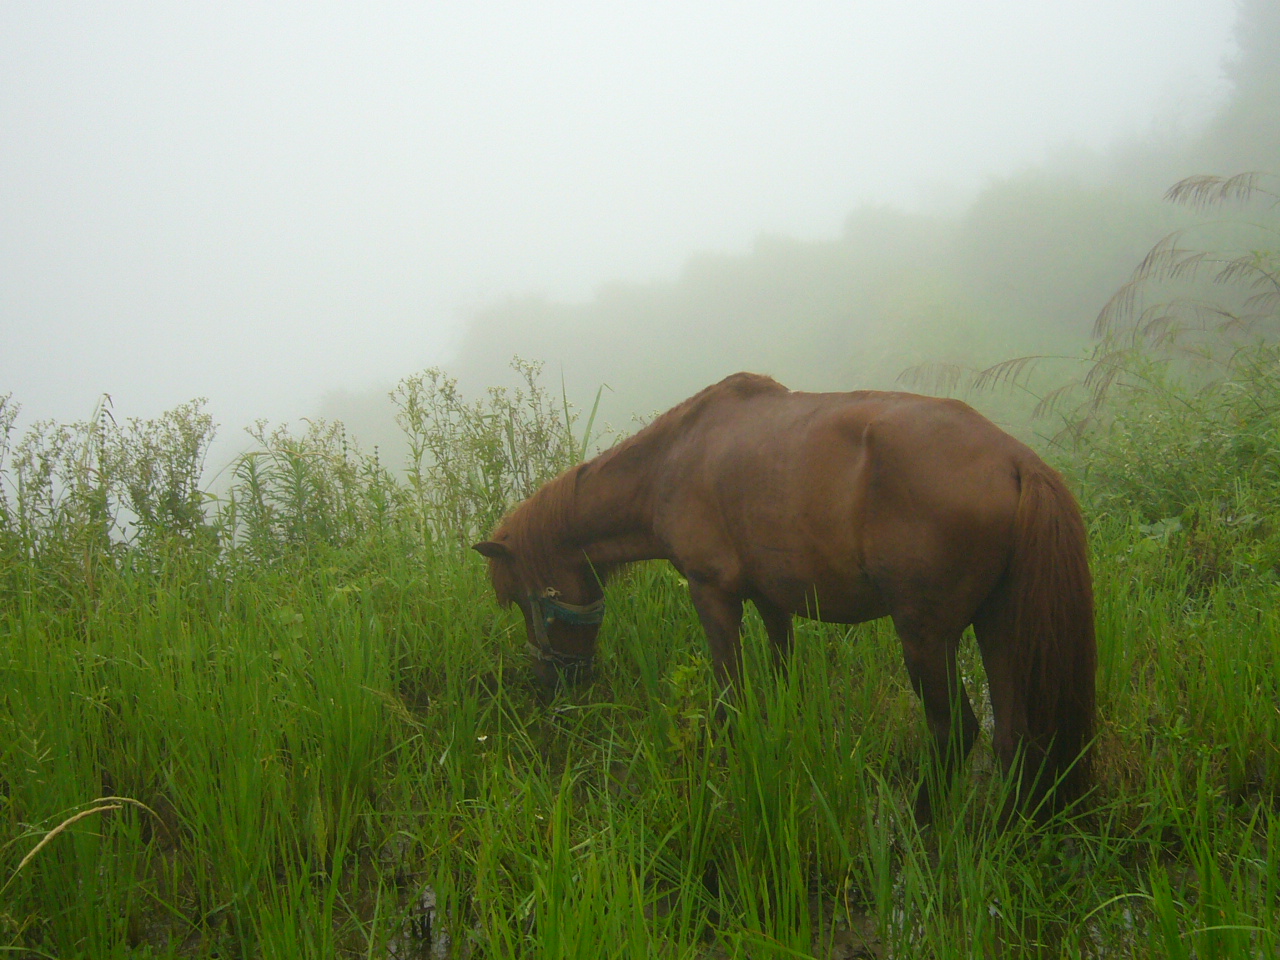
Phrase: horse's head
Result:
[562,603]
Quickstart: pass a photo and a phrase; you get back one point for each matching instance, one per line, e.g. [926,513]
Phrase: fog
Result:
[287,207]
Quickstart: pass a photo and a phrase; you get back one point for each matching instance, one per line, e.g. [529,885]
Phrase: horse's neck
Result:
[613,508]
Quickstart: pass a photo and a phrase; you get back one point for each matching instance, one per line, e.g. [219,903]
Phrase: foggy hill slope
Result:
[1024,268]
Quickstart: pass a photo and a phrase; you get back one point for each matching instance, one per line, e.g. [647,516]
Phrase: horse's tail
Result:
[1053,648]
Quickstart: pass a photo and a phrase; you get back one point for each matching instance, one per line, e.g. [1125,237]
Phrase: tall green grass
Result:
[316,752]
[328,745]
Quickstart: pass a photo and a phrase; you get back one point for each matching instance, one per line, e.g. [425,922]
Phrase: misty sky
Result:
[259,202]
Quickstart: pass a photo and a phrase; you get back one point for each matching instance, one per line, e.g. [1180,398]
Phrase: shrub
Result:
[298,493]
[79,498]
[471,461]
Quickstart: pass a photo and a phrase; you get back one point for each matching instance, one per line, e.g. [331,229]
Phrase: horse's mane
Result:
[540,528]
[535,530]
[737,385]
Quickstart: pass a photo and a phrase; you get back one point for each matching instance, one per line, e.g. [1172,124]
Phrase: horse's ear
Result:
[492,549]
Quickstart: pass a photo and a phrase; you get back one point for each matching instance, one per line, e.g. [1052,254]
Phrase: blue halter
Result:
[544,608]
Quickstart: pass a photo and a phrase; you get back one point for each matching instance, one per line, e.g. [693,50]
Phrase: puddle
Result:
[423,934]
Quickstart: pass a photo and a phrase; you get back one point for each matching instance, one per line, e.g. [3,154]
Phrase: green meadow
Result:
[289,720]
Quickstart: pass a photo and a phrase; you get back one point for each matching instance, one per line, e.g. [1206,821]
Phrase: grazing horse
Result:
[842,507]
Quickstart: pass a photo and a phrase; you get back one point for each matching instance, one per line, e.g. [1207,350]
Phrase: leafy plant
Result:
[298,493]
[471,461]
[158,468]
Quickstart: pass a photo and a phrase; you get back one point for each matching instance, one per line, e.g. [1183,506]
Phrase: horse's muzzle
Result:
[557,672]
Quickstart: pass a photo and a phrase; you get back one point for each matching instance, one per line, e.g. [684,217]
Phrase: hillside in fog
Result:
[1023,268]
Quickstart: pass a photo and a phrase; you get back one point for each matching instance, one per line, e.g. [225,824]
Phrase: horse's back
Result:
[843,500]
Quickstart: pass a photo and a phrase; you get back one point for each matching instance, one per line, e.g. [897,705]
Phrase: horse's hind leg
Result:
[931,663]
[1009,741]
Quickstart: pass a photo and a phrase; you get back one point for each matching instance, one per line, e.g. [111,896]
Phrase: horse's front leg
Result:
[778,625]
[721,615]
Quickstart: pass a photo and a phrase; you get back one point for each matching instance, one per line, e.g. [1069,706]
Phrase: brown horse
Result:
[843,507]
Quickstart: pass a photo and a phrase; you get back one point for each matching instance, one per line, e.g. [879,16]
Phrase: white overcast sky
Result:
[260,201]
